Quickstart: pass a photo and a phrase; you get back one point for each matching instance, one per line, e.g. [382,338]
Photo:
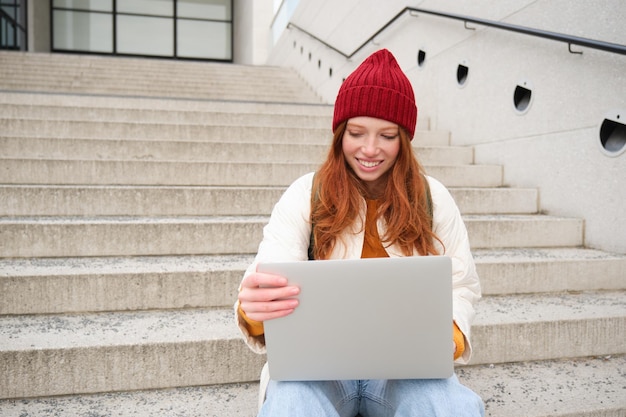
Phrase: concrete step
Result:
[580,387]
[44,355]
[161,131]
[75,65]
[71,285]
[54,200]
[88,353]
[152,78]
[206,73]
[224,400]
[31,171]
[217,117]
[584,387]
[545,270]
[164,107]
[523,231]
[162,110]
[35,200]
[128,236]
[198,132]
[265,95]
[549,326]
[161,150]
[496,200]
[281,83]
[114,172]
[108,71]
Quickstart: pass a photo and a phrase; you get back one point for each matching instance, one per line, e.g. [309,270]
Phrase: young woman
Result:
[368,199]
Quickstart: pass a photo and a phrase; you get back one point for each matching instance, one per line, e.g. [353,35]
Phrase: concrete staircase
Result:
[133,193]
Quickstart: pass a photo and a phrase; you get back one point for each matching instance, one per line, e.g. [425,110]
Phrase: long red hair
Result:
[338,197]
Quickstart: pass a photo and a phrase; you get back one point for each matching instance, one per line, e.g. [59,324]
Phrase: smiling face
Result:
[370,147]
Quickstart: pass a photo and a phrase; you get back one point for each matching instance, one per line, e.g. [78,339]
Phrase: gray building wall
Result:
[553,145]
[39,26]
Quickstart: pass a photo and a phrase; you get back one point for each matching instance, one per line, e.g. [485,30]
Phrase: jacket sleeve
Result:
[450,228]
[286,237]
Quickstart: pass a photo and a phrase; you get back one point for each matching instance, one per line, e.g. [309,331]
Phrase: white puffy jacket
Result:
[286,237]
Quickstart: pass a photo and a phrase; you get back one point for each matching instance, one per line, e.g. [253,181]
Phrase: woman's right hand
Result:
[267,296]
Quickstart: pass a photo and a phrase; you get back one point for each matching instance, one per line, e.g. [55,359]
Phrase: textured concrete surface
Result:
[589,387]
[135,172]
[537,270]
[66,285]
[256,116]
[170,105]
[164,131]
[204,151]
[141,236]
[153,349]
[67,354]
[584,387]
[208,401]
[549,326]
[111,200]
[152,78]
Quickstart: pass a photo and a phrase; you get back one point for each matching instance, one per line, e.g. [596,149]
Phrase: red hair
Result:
[338,198]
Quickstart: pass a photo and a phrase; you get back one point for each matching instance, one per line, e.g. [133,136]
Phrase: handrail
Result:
[11,21]
[569,39]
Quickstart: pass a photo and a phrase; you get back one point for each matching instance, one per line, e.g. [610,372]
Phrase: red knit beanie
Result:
[377,88]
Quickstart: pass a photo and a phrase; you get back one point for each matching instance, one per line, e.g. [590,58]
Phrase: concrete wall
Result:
[251,40]
[552,145]
[39,26]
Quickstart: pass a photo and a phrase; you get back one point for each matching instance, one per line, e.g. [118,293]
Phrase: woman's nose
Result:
[369,146]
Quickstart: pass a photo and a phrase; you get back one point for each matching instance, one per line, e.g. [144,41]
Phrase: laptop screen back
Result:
[381,318]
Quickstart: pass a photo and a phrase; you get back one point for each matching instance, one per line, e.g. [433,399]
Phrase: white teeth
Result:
[369,164]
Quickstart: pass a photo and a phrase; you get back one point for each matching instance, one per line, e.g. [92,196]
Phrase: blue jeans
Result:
[372,398]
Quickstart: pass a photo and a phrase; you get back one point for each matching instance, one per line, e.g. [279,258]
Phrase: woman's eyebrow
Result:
[382,129]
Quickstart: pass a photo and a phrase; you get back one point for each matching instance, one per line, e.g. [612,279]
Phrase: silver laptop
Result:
[381,318]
